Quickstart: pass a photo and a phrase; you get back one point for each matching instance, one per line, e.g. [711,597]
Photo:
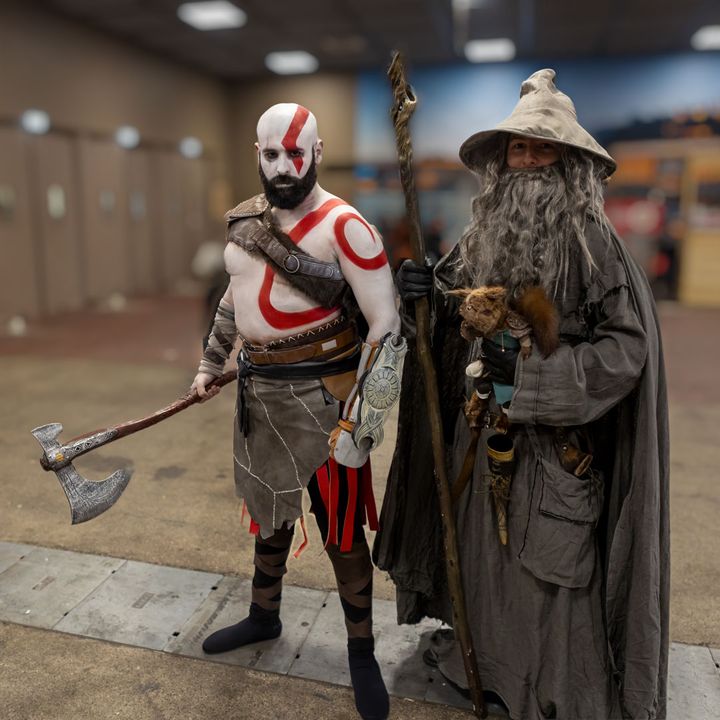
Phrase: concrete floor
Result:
[51,676]
[94,369]
[172,610]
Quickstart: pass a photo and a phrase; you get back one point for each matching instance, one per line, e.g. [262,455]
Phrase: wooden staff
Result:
[404,102]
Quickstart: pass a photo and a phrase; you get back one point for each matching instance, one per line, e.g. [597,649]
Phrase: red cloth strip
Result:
[254,528]
[323,481]
[334,497]
[305,540]
[349,523]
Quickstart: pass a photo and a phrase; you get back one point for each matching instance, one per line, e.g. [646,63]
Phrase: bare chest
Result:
[251,262]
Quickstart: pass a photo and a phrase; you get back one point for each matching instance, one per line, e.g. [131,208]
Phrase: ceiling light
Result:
[294,62]
[36,122]
[497,50]
[127,137]
[706,38]
[191,147]
[216,15]
[468,4]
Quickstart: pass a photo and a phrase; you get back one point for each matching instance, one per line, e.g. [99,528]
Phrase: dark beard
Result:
[287,198]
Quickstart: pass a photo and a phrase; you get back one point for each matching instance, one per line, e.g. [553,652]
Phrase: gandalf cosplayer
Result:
[309,279]
[550,365]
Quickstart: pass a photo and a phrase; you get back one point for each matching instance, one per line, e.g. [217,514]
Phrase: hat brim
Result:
[477,144]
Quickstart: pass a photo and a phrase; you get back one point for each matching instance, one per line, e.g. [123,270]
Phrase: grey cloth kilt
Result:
[281,436]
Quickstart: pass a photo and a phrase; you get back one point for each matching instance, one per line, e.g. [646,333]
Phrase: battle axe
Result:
[89,499]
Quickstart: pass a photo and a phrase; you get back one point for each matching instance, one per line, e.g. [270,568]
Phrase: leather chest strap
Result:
[293,261]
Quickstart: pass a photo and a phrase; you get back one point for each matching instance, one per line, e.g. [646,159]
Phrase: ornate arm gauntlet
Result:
[376,391]
[221,341]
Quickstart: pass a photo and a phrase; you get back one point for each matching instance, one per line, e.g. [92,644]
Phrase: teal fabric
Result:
[503,393]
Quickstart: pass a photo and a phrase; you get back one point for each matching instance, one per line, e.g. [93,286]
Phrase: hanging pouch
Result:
[560,542]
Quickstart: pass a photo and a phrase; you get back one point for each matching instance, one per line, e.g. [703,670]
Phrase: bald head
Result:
[287,140]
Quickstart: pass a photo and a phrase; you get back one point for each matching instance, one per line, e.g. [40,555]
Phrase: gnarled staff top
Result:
[403,95]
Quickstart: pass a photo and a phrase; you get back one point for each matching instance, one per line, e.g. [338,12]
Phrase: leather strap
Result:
[293,261]
[332,348]
[310,369]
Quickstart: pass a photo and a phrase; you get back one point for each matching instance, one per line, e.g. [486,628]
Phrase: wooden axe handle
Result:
[132,426]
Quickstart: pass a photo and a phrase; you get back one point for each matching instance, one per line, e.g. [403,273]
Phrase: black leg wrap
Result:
[371,697]
[259,625]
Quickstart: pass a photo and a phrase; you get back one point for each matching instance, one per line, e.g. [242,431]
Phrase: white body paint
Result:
[287,143]
[373,288]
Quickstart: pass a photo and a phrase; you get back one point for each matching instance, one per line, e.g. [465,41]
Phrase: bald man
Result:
[305,271]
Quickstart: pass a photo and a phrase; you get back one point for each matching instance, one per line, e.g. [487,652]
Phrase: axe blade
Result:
[47,435]
[86,499]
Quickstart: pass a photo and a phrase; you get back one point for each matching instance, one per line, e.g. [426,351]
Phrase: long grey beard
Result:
[522,233]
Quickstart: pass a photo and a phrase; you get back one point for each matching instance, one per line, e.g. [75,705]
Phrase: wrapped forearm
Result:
[221,340]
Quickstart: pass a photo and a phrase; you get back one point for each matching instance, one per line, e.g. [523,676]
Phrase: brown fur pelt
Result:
[486,312]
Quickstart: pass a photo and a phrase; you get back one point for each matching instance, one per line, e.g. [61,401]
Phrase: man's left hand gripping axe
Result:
[89,499]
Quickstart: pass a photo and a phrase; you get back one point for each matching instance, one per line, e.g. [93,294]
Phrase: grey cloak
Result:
[570,619]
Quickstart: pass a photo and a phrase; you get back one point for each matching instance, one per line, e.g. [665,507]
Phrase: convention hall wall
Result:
[81,217]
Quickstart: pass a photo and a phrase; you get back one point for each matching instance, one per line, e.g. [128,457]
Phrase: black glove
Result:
[414,281]
[499,363]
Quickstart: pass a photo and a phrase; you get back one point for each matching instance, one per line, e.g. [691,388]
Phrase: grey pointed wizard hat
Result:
[544,113]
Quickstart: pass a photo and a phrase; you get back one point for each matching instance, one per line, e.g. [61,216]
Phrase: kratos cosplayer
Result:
[554,405]
[312,302]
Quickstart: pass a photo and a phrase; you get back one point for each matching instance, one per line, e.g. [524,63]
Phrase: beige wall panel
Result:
[107,252]
[700,269]
[167,173]
[330,97]
[88,81]
[19,285]
[220,197]
[700,247]
[195,205]
[53,163]
[141,233]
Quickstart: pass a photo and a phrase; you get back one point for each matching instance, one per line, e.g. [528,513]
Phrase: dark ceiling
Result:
[351,35]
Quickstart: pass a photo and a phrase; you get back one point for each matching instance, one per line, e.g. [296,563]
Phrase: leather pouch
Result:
[339,386]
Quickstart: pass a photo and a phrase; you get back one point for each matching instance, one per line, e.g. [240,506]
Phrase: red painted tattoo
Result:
[280,319]
[372,263]
[289,142]
[304,226]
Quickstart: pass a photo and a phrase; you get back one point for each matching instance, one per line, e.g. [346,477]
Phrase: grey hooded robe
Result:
[570,619]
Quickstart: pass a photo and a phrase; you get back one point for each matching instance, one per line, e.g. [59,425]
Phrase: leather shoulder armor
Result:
[242,233]
[253,207]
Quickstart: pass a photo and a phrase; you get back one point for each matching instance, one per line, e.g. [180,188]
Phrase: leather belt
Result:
[334,347]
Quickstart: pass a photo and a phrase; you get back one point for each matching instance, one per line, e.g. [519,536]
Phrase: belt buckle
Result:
[295,266]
